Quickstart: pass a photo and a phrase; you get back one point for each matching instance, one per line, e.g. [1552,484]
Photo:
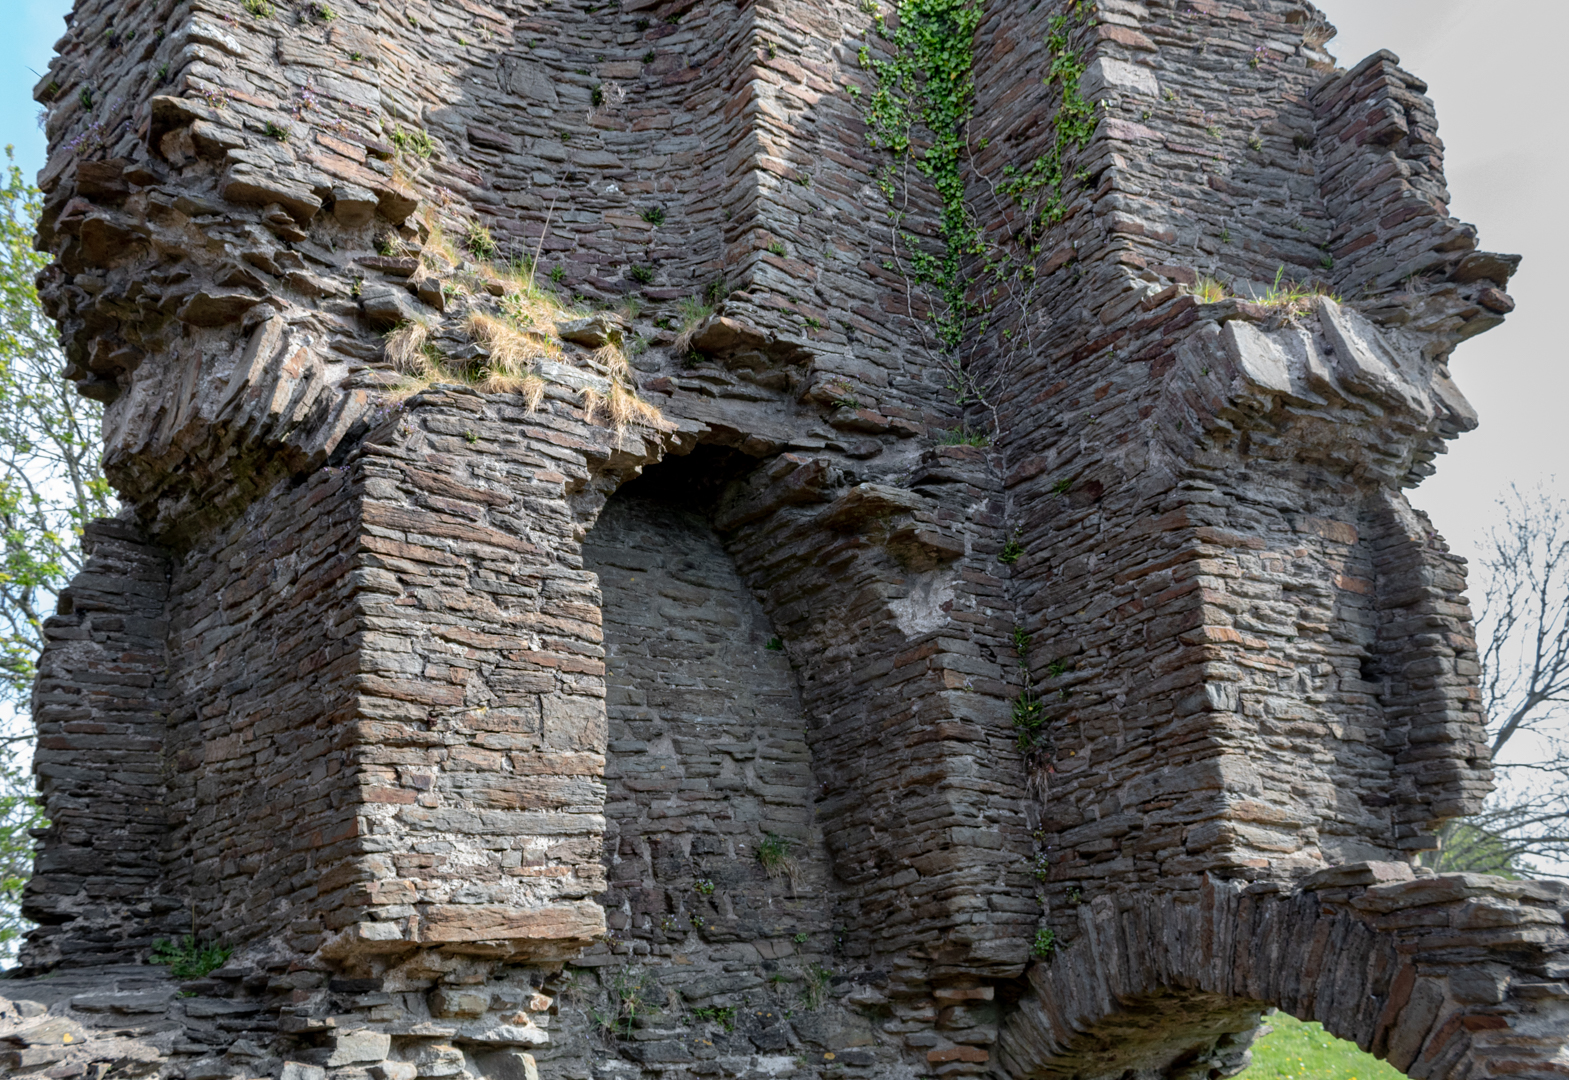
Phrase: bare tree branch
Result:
[1523,630]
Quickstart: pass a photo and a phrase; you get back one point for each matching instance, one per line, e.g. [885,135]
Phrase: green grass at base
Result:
[1298,1051]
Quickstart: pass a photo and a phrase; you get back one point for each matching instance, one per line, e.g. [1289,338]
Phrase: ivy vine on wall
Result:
[919,112]
[978,274]
[930,83]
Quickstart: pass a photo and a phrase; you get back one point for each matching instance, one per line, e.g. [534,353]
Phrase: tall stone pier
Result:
[632,566]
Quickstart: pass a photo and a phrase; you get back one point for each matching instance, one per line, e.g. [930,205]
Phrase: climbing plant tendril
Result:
[930,82]
[1038,189]
[919,111]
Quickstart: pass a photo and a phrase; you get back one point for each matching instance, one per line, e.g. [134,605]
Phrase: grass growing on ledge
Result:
[964,437]
[517,330]
[1209,291]
[1298,1051]
[621,406]
[188,958]
[1294,297]
[691,311]
[405,349]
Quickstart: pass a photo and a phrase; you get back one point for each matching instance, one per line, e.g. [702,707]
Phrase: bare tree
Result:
[1523,636]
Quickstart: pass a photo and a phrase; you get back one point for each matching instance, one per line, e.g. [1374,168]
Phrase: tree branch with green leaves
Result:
[51,486]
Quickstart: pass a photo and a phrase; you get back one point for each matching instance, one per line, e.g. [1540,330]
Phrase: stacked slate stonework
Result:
[670,652]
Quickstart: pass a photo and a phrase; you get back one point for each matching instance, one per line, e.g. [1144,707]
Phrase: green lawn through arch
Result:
[1298,1051]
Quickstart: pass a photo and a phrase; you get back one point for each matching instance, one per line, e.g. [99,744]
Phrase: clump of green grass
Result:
[188,958]
[1012,548]
[723,1015]
[1293,297]
[1297,1051]
[774,853]
[690,311]
[479,241]
[630,991]
[814,994]
[415,142]
[964,437]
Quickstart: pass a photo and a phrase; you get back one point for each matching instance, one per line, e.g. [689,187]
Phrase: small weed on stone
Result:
[723,1015]
[1045,943]
[188,958]
[1011,550]
[479,241]
[814,995]
[774,853]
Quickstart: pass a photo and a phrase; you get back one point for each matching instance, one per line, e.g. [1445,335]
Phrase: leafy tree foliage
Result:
[50,487]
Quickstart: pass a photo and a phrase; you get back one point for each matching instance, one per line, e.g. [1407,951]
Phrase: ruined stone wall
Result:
[261,627]
[1211,564]
[657,708]
[100,762]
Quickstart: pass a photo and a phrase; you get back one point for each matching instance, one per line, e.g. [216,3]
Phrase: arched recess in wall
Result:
[710,833]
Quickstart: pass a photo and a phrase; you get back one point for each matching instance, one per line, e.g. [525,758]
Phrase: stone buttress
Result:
[696,696]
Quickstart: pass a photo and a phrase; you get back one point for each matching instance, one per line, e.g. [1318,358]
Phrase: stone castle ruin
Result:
[961,619]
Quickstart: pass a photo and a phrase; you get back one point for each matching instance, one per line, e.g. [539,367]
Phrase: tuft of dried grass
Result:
[513,349]
[526,304]
[513,353]
[692,312]
[625,407]
[404,347]
[439,250]
[621,406]
[1209,291]
[530,387]
[613,362]
[407,387]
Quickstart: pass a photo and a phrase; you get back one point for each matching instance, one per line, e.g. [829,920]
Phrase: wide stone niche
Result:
[708,763]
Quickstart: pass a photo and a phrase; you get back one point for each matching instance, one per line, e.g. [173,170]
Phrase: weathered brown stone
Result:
[810,716]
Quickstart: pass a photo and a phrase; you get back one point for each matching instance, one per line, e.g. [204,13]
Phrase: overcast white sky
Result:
[1507,157]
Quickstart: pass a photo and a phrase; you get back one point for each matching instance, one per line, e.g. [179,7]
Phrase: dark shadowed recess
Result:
[692,482]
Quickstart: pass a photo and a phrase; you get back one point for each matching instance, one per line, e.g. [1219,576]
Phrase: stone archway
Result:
[1444,976]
